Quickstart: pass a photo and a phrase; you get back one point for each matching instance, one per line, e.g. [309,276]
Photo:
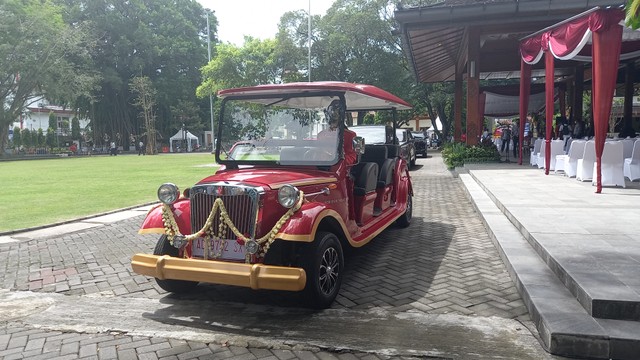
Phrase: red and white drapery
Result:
[565,41]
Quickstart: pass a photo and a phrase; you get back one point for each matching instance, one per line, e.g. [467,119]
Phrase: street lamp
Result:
[210,95]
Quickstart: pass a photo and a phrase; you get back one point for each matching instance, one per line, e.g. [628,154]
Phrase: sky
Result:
[257,18]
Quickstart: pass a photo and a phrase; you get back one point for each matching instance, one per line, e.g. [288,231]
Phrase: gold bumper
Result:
[254,276]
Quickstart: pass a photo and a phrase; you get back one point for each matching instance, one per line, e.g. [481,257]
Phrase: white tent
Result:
[175,142]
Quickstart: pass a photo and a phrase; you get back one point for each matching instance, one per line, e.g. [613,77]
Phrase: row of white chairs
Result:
[620,159]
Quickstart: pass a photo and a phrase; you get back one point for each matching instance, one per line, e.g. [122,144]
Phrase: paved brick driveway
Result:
[443,263]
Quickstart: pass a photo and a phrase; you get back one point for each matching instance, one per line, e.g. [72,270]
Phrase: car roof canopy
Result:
[359,97]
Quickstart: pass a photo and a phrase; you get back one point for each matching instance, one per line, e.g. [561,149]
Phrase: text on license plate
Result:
[231,249]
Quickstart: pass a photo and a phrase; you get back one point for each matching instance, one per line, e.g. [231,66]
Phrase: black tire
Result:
[405,220]
[324,265]
[175,286]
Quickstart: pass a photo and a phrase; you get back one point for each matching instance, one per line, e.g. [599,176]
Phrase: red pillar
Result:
[457,103]
[606,56]
[548,88]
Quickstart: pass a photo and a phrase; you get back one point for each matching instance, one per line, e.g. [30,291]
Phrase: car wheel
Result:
[405,220]
[175,286]
[324,265]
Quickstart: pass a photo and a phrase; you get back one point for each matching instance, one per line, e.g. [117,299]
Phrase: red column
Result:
[457,103]
[606,56]
[548,88]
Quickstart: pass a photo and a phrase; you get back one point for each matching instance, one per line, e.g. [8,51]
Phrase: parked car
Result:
[384,134]
[285,203]
[406,141]
[435,142]
[420,142]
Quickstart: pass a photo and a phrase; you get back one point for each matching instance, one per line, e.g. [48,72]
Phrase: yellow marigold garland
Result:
[171,228]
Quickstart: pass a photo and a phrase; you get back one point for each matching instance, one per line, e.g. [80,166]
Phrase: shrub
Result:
[457,154]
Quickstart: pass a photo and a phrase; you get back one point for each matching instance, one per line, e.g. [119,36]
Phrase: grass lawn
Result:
[39,192]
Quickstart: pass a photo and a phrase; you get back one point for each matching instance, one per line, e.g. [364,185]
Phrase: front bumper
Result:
[254,276]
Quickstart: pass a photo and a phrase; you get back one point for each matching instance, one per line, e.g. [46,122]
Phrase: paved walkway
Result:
[574,255]
[69,292]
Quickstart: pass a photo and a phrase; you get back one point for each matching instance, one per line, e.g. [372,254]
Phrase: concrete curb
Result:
[565,327]
[70,221]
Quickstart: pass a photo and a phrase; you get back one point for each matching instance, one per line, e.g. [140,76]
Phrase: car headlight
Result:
[168,193]
[288,196]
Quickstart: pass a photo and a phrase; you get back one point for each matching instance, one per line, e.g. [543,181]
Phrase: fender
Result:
[404,188]
[303,224]
[153,224]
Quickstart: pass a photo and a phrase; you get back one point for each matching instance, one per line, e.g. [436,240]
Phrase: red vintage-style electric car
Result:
[294,189]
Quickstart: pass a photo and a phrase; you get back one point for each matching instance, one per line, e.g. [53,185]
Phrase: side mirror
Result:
[358,145]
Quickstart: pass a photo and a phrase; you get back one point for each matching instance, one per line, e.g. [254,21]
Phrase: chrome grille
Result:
[241,203]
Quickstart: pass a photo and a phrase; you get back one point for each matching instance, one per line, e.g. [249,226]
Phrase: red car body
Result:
[280,210]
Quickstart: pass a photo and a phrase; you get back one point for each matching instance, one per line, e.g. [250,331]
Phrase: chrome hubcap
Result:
[329,270]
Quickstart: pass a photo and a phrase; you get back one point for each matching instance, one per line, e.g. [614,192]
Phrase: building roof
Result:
[435,37]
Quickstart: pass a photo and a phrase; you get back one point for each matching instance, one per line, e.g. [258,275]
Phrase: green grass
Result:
[39,192]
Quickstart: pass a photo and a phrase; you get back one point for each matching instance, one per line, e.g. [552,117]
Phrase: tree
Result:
[51,138]
[145,94]
[17,138]
[164,40]
[252,64]
[186,112]
[26,138]
[53,121]
[632,10]
[75,128]
[40,55]
[38,138]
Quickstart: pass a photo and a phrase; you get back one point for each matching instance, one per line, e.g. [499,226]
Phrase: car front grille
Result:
[241,203]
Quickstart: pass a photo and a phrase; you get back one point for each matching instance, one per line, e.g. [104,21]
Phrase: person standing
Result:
[113,151]
[140,148]
[505,138]
[515,135]
[565,131]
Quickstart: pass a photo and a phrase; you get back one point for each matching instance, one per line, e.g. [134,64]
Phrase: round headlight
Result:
[288,196]
[168,193]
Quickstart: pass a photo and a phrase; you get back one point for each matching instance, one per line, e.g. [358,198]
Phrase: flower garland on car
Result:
[171,228]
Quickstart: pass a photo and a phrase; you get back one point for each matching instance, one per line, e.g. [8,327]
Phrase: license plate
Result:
[231,250]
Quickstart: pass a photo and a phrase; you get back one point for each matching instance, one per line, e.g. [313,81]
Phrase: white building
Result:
[36,116]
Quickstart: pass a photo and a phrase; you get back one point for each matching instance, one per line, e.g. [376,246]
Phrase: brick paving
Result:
[443,263]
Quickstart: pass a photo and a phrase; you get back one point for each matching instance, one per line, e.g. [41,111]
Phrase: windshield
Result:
[371,134]
[259,130]
[402,135]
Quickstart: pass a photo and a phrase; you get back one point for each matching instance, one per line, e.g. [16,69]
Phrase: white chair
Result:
[584,167]
[533,158]
[569,163]
[632,164]
[541,159]
[628,147]
[557,148]
[611,165]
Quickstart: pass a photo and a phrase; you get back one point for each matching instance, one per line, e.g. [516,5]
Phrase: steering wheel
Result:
[318,154]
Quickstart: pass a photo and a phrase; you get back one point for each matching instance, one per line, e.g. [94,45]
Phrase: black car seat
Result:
[366,176]
[378,154]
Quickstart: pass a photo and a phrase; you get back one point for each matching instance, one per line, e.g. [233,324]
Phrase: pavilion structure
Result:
[595,36]
[467,41]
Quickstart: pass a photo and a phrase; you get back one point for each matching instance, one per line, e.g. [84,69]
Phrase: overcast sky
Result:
[257,18]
